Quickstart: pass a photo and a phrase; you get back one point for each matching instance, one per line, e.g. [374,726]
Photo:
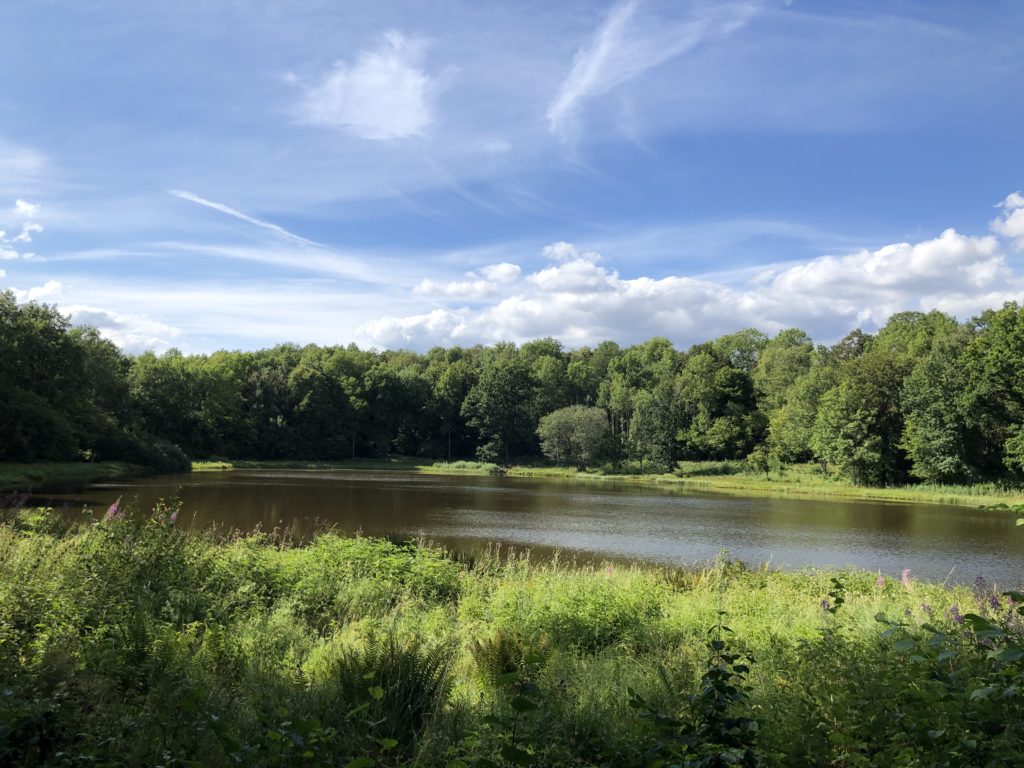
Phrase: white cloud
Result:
[473,290]
[276,229]
[563,251]
[624,47]
[416,331]
[386,94]
[25,210]
[582,302]
[50,289]
[132,333]
[27,230]
[22,215]
[501,273]
[1011,223]
[3,274]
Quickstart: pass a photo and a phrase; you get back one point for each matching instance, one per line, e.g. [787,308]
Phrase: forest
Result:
[926,398]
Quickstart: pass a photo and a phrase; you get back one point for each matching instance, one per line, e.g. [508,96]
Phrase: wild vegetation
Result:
[124,641]
[926,399]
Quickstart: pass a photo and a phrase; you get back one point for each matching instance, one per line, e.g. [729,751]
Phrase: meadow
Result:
[126,641]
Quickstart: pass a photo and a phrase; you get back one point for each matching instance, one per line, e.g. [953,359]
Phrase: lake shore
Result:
[25,477]
[128,640]
[802,480]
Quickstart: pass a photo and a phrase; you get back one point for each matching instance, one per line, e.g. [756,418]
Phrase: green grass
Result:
[128,642]
[23,477]
[808,480]
[405,463]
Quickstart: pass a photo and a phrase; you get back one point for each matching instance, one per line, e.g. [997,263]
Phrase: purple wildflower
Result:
[993,603]
[880,581]
[114,511]
[174,517]
[608,570]
[955,614]
[980,583]
[826,605]
[927,609]
[905,578]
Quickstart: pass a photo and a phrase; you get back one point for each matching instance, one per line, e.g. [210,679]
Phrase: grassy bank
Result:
[127,642]
[24,477]
[733,477]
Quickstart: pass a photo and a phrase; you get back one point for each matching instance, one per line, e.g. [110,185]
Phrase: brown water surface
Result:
[592,519]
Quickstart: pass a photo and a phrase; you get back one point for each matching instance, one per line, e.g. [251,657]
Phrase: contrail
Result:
[243,216]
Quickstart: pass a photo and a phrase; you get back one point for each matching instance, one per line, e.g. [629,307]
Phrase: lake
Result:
[592,520]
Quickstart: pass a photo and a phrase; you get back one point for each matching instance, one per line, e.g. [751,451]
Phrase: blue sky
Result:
[238,174]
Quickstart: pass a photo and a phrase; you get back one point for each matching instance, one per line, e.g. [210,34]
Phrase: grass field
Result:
[128,642]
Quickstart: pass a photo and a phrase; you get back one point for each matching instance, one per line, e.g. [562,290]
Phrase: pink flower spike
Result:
[880,581]
[174,517]
[114,511]
[905,578]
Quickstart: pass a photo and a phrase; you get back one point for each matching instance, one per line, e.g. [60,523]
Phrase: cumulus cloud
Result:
[1011,222]
[49,290]
[501,273]
[475,287]
[415,331]
[132,333]
[461,289]
[385,94]
[581,301]
[563,251]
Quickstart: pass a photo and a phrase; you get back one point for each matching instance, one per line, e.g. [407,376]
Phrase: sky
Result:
[238,174]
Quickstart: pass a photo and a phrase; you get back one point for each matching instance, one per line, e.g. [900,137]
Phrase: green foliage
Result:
[925,399]
[859,423]
[125,641]
[576,435]
[715,729]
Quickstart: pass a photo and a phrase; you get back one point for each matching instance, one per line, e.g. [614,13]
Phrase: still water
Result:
[593,519]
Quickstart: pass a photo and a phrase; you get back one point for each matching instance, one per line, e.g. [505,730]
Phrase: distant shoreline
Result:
[797,481]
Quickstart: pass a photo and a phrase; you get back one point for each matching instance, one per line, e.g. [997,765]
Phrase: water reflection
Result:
[589,519]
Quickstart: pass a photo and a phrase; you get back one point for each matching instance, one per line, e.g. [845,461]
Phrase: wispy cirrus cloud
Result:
[386,94]
[624,47]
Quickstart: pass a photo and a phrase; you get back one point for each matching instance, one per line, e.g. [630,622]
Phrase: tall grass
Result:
[125,641]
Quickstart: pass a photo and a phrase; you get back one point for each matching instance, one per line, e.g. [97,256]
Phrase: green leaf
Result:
[387,744]
[377,692]
[523,704]
[361,762]
[516,756]
[982,693]
[904,645]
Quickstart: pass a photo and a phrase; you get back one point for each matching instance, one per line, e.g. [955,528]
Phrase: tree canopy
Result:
[925,398]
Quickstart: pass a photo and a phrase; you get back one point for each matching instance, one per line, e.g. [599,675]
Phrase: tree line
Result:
[925,398]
